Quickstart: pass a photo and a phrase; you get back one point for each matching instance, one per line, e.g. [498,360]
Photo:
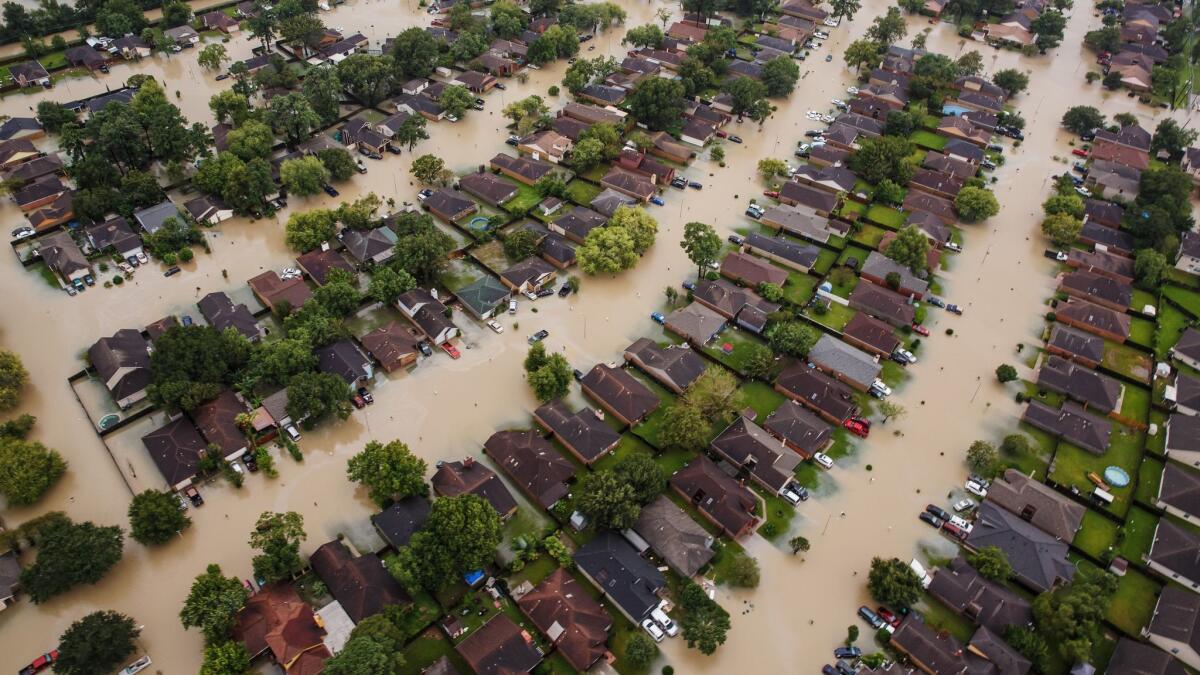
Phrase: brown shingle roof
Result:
[576,624]
[1038,503]
[582,432]
[532,463]
[499,647]
[717,495]
[469,475]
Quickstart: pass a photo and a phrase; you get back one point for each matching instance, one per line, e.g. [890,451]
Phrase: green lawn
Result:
[739,341]
[836,317]
[1141,332]
[1171,324]
[1133,603]
[582,192]
[1031,462]
[527,197]
[869,236]
[778,516]
[1142,298]
[941,617]
[800,288]
[1072,465]
[1135,403]
[1128,361]
[1158,442]
[825,261]
[850,206]
[649,429]
[431,646]
[858,253]
[1149,478]
[928,139]
[1097,535]
[1137,535]
[886,216]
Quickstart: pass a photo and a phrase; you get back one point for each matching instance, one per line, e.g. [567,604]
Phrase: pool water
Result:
[1116,476]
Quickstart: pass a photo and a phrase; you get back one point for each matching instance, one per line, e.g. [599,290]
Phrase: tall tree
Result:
[702,244]
[910,248]
[70,554]
[277,537]
[27,470]
[460,535]
[323,90]
[893,582]
[658,103]
[213,603]
[415,52]
[95,644]
[367,77]
[293,117]
[155,517]
[388,471]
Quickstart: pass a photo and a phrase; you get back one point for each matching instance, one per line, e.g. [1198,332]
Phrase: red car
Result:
[858,427]
[885,614]
[358,401]
[40,663]
[1079,152]
[722,134]
[920,330]
[954,531]
[451,350]
[772,194]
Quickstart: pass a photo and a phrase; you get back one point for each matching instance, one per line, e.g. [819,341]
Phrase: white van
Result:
[653,629]
[660,617]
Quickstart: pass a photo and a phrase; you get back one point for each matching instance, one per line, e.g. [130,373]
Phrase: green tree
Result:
[507,20]
[293,117]
[389,283]
[277,537]
[155,517]
[428,169]
[889,28]
[974,204]
[460,535]
[175,13]
[411,132]
[781,73]
[192,364]
[705,623]
[1005,373]
[213,603]
[639,224]
[1070,618]
[893,582]
[640,651]
[70,554]
[799,544]
[302,29]
[225,658]
[323,90]
[96,644]
[337,162]
[27,470]
[1028,642]
[639,471]
[715,394]
[883,158]
[364,656]
[1104,39]
[230,107]
[367,77]
[53,116]
[13,378]
[769,168]
[1081,119]
[277,361]
[910,248]
[757,361]
[551,380]
[657,103]
[743,572]
[607,501]
[456,100]
[1062,228]
[521,244]
[606,250]
[306,230]
[992,563]
[683,427]
[1150,266]
[303,176]
[792,338]
[702,244]
[1069,204]
[1048,26]
[746,93]
[389,472]
[415,53]
[339,295]
[421,248]
[982,458]
[212,56]
[863,54]
[1011,80]
[648,35]
[1172,138]
[844,8]
[313,396]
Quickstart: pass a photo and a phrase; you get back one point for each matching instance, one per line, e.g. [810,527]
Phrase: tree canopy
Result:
[70,554]
[155,517]
[388,471]
[893,582]
[213,603]
[460,535]
[97,643]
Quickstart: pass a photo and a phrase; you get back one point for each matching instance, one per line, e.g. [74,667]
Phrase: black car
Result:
[814,133]
[171,271]
[424,347]
[393,149]
[513,141]
[678,183]
[366,395]
[577,373]
[932,520]
[845,668]
[995,147]
[367,152]
[828,670]
[222,76]
[937,511]
[736,239]
[847,652]
[1016,134]
[545,292]
[735,139]
[500,86]
[935,301]
[251,462]
[539,336]
[564,291]
[330,190]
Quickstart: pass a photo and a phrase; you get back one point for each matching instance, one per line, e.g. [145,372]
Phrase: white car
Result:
[961,522]
[832,22]
[837,102]
[125,267]
[823,459]
[817,143]
[827,119]
[881,387]
[964,505]
[530,294]
[813,115]
[820,35]
[906,355]
[142,258]
[23,232]
[976,488]
[853,91]
[452,117]
[495,326]
[653,629]
[660,617]
[1084,191]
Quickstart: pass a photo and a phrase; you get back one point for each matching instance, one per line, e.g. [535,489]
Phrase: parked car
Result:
[736,239]
[142,258]
[828,670]
[935,301]
[773,194]
[425,348]
[512,306]
[933,520]
[964,505]
[814,133]
[40,663]
[938,511]
[495,326]
[577,374]
[844,668]
[976,488]
[451,350]
[870,617]
[795,493]
[367,152]
[358,401]
[194,496]
[366,395]
[530,295]
[735,139]
[847,652]
[903,356]
[688,285]
[954,309]
[660,617]
[564,290]
[1079,152]
[23,232]
[960,522]
[920,330]
[678,182]
[695,185]
[823,460]
[539,336]
[853,91]
[451,117]
[954,531]
[501,86]
[251,462]
[657,201]
[330,190]
[292,432]
[880,386]
[858,426]
[886,614]
[953,247]
[1083,192]
[171,271]
[513,140]
[658,317]
[987,164]
[89,280]
[545,293]
[838,103]
[721,133]
[653,629]
[995,147]
[222,76]
[393,149]
[828,58]
[754,211]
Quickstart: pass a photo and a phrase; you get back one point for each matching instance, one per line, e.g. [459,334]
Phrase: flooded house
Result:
[619,393]
[939,207]
[748,270]
[533,464]
[973,597]
[400,521]
[29,74]
[176,448]
[575,623]
[798,256]
[208,210]
[276,620]
[484,298]
[844,362]
[369,247]
[696,323]
[62,255]
[723,501]
[10,578]
[870,335]
[624,577]
[469,476]
[821,202]
[361,585]
[485,186]
[278,294]
[577,223]
[672,535]
[628,183]
[1037,503]
[760,455]
[884,304]
[344,359]
[1103,263]
[530,275]
[878,268]
[1039,560]
[1097,289]
[583,433]
[122,362]
[220,313]
[803,222]
[675,367]
[152,218]
[392,345]
[428,314]
[1092,318]
[217,421]
[820,393]
[546,145]
[500,647]
[557,251]
[935,652]
[521,169]
[799,429]
[1094,390]
[317,264]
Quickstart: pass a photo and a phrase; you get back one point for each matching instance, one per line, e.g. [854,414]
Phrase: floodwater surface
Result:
[446,409]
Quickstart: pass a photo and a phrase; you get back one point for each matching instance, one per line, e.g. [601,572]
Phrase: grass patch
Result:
[1149,478]
[1137,535]
[885,216]
[928,139]
[1072,465]
[527,197]
[1158,442]
[779,514]
[842,446]
[650,428]
[43,270]
[1133,603]
[1142,298]
[425,650]
[740,342]
[727,551]
[1097,535]
[850,206]
[1127,361]
[761,397]
[940,617]
[825,260]
[869,236]
[582,192]
[800,288]
[1028,462]
[836,317]
[1171,324]
[1141,332]
[1135,403]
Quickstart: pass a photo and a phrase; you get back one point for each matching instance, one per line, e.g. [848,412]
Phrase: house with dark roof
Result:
[38,194]
[469,476]
[33,169]
[870,335]
[1103,263]
[1183,395]
[317,264]
[556,250]
[531,274]
[63,256]
[361,585]
[986,603]
[1072,424]
[1107,238]
[730,301]
[1094,390]
[786,252]
[931,651]
[673,536]
[159,328]
[802,222]
[176,448]
[208,209]
[521,169]
[1187,349]
[220,313]
[797,194]
[500,647]
[392,345]
[450,205]
[623,576]
[84,56]
[583,433]
[609,200]
[675,367]
[1183,439]
[628,183]
[619,393]
[400,521]
[756,453]
[844,362]
[532,463]
[483,297]
[487,187]
[1142,659]
[1179,492]
[575,623]
[799,429]
[428,314]
[58,212]
[218,20]
[1086,316]
[577,223]
[938,207]
[29,73]
[1101,290]
[10,578]
[722,500]
[883,303]
[217,421]
[1035,502]
[1075,345]
[750,271]
[1188,259]
[946,164]
[344,359]
[1039,560]
[878,267]
[818,392]
[696,323]
[123,364]
[1175,626]
[1175,554]
[278,294]
[275,619]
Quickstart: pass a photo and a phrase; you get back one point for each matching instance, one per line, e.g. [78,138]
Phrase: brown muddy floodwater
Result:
[445,409]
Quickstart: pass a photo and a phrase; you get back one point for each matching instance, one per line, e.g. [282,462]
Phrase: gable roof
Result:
[989,604]
[1079,383]
[749,447]
[532,463]
[487,187]
[818,390]
[528,271]
[455,478]
[1037,503]
[1188,345]
[1176,549]
[1100,287]
[217,421]
[796,426]
[1101,318]
[674,366]
[400,521]
[800,254]
[580,431]
[531,170]
[276,618]
[273,290]
[1070,423]
[621,574]
[579,221]
[728,299]
[1137,658]
[871,332]
[695,322]
[499,647]
[620,392]
[934,651]
[1177,616]
[809,196]
[1037,558]
[364,245]
[1083,345]
[880,266]
[714,493]
[1180,489]
[390,345]
[849,361]
[176,448]
[362,585]
[751,270]
[563,611]
[483,296]
[344,359]
[220,312]
[674,536]
[122,362]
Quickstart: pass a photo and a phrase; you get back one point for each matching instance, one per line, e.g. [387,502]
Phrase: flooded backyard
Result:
[445,409]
